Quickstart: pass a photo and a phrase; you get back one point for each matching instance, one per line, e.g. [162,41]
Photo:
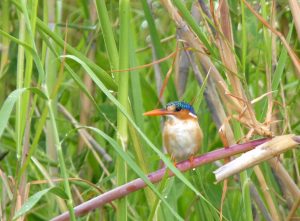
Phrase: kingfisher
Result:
[182,135]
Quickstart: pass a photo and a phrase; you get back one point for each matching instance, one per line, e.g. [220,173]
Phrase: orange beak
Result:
[158,112]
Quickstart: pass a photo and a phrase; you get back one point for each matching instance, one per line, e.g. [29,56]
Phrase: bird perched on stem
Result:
[182,135]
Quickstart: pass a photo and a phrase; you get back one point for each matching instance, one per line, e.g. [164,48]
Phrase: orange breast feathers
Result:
[182,136]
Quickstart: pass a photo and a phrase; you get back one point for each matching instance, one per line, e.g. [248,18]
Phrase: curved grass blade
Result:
[31,202]
[9,103]
[167,162]
[29,49]
[199,96]
[35,198]
[134,167]
[42,27]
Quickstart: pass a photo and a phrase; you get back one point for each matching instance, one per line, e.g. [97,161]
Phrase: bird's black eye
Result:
[177,109]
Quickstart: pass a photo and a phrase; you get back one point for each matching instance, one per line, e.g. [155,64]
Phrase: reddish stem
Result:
[157,176]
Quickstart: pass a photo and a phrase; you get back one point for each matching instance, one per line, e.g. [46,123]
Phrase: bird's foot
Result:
[191,159]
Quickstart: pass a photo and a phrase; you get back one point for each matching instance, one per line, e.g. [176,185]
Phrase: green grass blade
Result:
[29,49]
[61,161]
[199,96]
[5,25]
[123,83]
[277,76]
[31,202]
[108,35]
[126,158]
[9,103]
[167,162]
[42,27]
[245,182]
[158,48]
[192,23]
[20,84]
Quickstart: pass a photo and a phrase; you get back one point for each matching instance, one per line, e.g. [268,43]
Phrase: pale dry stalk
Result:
[182,63]
[88,140]
[157,176]
[181,72]
[226,160]
[225,45]
[86,104]
[295,9]
[232,102]
[293,210]
[262,153]
[237,105]
[266,192]
[285,178]
[259,202]
[191,39]
[211,96]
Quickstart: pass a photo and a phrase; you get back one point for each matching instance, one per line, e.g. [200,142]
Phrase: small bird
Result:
[182,135]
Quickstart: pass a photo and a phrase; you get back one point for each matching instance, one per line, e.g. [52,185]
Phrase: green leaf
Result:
[58,191]
[277,76]
[9,103]
[199,96]
[75,76]
[30,50]
[135,167]
[31,202]
[167,162]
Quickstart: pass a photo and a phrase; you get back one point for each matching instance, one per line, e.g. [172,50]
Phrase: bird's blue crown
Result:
[181,105]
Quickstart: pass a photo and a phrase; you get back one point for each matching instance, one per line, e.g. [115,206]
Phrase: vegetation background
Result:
[76,77]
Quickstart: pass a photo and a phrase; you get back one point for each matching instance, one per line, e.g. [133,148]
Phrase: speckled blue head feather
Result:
[182,105]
